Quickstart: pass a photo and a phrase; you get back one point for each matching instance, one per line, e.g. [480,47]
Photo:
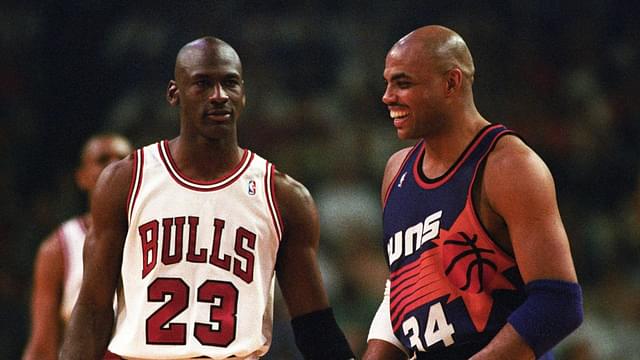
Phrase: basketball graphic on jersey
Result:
[468,266]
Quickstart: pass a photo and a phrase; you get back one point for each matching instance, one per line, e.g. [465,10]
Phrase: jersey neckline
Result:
[200,185]
[431,183]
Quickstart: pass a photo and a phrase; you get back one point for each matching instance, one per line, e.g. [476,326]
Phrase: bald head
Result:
[208,48]
[443,47]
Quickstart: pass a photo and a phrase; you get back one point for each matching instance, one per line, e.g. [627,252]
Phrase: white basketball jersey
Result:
[71,235]
[198,265]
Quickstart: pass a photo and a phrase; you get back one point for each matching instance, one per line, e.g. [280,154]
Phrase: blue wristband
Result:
[553,310]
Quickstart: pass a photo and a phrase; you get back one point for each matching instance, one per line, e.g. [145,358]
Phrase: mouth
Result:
[218,115]
[398,116]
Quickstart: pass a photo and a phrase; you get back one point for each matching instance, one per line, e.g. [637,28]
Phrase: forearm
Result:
[382,350]
[506,345]
[553,310]
[88,333]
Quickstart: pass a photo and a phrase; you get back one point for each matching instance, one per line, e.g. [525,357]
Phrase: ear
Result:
[173,94]
[81,178]
[454,81]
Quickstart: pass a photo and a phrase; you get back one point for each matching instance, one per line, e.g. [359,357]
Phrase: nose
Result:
[218,94]
[389,96]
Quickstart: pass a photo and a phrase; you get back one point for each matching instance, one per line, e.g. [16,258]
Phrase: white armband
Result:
[381,328]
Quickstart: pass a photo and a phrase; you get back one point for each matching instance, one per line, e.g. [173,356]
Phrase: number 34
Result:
[437,329]
[220,331]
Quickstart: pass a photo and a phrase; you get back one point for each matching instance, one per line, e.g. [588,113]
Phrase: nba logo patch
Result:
[402,179]
[251,188]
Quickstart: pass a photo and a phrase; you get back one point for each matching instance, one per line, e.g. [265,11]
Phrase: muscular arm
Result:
[520,189]
[46,299]
[91,322]
[297,266]
[316,332]
[379,349]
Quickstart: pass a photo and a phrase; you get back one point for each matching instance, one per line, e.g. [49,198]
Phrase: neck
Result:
[205,159]
[445,146]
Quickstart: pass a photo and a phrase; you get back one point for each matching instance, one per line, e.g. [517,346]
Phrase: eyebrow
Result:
[230,75]
[398,76]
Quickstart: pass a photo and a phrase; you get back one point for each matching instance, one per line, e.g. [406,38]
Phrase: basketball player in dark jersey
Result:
[480,264]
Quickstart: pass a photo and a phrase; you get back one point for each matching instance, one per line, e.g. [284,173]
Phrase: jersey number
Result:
[437,329]
[219,331]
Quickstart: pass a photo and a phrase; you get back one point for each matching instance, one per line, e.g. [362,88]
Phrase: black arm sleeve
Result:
[319,338]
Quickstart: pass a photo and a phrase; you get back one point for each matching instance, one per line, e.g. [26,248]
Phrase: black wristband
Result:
[318,336]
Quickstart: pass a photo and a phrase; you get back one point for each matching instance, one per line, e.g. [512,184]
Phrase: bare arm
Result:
[297,268]
[379,349]
[315,329]
[46,299]
[91,322]
[520,189]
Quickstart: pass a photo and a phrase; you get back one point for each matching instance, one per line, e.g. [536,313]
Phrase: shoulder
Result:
[396,159]
[288,184]
[49,261]
[112,188]
[51,248]
[292,196]
[512,158]
[118,173]
[513,170]
[394,163]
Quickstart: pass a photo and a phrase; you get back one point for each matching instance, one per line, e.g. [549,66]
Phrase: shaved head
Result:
[442,46]
[207,47]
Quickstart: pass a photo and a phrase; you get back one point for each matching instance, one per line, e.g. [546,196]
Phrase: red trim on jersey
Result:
[136,180]
[470,202]
[199,185]
[395,178]
[451,171]
[274,210]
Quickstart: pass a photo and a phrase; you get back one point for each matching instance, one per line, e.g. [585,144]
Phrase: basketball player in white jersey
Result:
[190,232]
[58,265]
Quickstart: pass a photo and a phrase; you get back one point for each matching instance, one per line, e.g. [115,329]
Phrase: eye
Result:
[231,82]
[403,84]
[202,83]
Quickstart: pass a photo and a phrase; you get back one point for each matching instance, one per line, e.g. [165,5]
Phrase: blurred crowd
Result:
[562,74]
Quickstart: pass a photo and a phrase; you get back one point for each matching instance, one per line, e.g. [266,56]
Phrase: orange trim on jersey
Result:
[199,185]
[404,162]
[274,210]
[136,180]
[451,171]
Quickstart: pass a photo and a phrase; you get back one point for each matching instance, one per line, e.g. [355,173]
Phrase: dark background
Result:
[562,74]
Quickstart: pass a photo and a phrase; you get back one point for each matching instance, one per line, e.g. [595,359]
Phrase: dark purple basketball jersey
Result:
[452,286]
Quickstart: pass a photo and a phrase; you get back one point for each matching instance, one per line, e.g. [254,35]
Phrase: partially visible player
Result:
[190,232]
[58,265]
[480,264]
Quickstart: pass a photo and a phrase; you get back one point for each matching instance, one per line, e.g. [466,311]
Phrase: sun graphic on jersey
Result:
[474,268]
[456,265]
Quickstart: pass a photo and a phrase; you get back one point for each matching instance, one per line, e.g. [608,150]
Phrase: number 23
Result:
[220,331]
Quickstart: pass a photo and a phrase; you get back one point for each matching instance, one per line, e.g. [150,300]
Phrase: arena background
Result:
[564,74]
